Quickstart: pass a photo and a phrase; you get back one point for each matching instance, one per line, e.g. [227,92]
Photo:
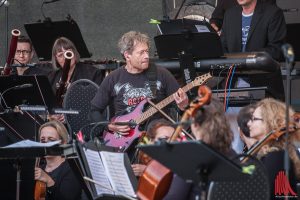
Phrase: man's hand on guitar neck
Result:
[181,99]
[121,129]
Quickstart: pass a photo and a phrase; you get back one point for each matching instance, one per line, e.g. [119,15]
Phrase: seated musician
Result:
[256,25]
[77,69]
[159,129]
[211,127]
[270,115]
[61,183]
[124,88]
[23,57]
[244,116]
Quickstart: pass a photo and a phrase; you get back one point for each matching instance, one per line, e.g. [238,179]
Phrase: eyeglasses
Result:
[256,119]
[24,52]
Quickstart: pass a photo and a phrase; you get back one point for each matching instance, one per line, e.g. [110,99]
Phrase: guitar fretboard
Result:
[151,111]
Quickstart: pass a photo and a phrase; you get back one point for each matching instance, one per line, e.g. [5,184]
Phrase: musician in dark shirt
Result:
[23,56]
[61,183]
[128,85]
[77,70]
[256,25]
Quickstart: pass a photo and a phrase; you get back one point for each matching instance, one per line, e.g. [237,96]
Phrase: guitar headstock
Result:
[202,79]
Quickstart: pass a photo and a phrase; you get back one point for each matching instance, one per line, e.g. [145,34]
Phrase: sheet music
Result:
[98,172]
[30,143]
[117,173]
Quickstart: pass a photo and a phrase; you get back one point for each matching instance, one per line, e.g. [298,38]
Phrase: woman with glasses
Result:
[61,183]
[268,116]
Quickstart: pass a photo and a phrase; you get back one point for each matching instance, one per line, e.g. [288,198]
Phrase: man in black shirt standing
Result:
[127,86]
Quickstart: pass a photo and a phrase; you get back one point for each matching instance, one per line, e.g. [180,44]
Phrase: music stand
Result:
[27,90]
[24,158]
[191,36]
[90,189]
[198,162]
[44,34]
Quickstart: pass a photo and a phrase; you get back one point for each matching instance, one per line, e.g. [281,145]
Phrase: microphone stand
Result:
[6,4]
[289,58]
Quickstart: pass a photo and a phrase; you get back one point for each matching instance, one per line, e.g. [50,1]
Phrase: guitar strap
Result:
[151,74]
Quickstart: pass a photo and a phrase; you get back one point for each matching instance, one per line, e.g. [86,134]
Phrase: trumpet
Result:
[62,85]
[12,50]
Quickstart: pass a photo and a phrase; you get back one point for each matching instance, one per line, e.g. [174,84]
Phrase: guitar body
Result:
[124,141]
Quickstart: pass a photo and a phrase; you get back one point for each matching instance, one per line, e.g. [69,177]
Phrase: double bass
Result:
[156,179]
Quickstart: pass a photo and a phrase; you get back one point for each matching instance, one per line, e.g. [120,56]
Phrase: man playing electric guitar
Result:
[124,88]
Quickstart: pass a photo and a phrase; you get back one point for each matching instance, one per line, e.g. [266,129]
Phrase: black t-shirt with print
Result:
[124,91]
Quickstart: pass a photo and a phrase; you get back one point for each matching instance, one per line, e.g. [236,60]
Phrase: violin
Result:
[40,187]
[156,179]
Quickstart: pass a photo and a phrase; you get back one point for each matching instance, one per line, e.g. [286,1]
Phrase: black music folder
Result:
[109,168]
[44,34]
[191,36]
[194,161]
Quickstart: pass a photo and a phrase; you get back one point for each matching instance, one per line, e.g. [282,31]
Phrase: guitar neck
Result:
[151,111]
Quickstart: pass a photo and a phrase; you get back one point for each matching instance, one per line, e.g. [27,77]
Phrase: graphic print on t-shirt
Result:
[132,96]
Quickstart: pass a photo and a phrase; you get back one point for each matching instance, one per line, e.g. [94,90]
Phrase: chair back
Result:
[78,97]
[257,186]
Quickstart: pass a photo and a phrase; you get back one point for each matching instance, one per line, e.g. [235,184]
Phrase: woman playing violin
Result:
[270,115]
[61,183]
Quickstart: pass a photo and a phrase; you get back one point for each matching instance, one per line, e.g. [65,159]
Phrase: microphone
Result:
[52,1]
[26,85]
[288,52]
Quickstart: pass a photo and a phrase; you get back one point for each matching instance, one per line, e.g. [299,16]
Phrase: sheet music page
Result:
[98,172]
[30,143]
[117,173]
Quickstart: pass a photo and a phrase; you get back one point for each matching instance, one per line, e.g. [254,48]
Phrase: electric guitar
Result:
[137,117]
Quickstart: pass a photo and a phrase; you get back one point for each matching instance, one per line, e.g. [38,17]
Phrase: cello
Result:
[156,179]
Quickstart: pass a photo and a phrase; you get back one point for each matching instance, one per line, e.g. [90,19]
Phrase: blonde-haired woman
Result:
[60,181]
[270,115]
